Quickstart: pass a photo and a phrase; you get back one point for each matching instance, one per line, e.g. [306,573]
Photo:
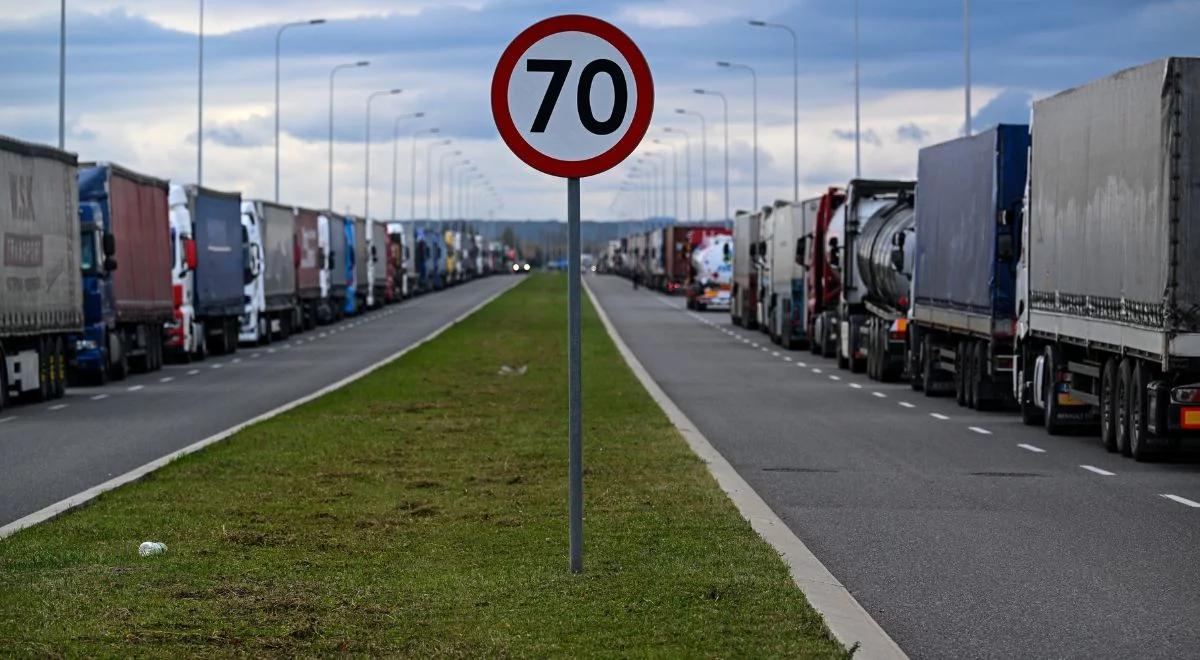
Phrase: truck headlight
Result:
[1186,394]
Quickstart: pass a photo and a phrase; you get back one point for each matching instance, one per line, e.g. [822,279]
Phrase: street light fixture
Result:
[725,105]
[703,159]
[754,95]
[332,75]
[795,102]
[367,150]
[278,43]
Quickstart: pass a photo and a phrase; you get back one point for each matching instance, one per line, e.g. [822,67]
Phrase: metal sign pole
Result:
[574,387]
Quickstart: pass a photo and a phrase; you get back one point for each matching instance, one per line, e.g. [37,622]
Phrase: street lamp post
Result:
[967,62]
[412,173]
[674,177]
[754,95]
[703,160]
[795,103]
[278,43]
[857,122]
[429,175]
[725,106]
[62,75]
[367,150]
[396,153]
[687,166]
[442,182]
[200,103]
[332,75]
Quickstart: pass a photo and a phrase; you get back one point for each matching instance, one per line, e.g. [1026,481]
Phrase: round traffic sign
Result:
[572,96]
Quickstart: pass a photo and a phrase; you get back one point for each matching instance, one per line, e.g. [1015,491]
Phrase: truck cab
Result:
[253,323]
[185,334]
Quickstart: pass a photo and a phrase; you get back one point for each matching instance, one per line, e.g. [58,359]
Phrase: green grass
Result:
[421,511]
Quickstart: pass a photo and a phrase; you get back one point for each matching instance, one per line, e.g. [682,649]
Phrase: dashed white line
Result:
[764,350]
[980,431]
[753,345]
[135,388]
[880,395]
[832,377]
[774,353]
[256,356]
[801,364]
[1093,468]
[905,404]
[217,366]
[193,372]
[816,370]
[787,359]
[323,335]
[939,416]
[166,379]
[5,420]
[236,360]
[100,397]
[1036,450]
[270,350]
[1182,500]
[58,407]
[856,386]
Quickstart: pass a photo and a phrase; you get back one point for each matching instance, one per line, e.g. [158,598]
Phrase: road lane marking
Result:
[236,360]
[980,431]
[166,380]
[753,345]
[1182,500]
[801,364]
[832,377]
[939,416]
[323,335]
[5,420]
[816,370]
[193,372]
[256,356]
[1036,450]
[905,404]
[787,359]
[135,388]
[58,407]
[774,353]
[881,395]
[217,366]
[270,351]
[856,386]
[100,397]
[1093,468]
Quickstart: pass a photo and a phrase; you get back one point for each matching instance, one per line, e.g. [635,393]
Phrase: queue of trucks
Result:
[1051,269]
[695,260]
[106,271]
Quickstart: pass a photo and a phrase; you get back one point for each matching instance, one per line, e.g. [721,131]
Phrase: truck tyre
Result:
[231,333]
[928,373]
[1108,405]
[118,367]
[60,368]
[1050,392]
[1031,415]
[1139,436]
[1124,384]
[960,373]
[978,375]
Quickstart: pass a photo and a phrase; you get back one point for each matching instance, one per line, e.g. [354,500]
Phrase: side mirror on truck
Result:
[189,253]
[1004,248]
[110,264]
[110,244]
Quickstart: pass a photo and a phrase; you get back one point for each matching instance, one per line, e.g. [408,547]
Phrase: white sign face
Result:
[571,96]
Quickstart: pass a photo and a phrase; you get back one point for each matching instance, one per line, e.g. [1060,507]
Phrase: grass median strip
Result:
[421,511]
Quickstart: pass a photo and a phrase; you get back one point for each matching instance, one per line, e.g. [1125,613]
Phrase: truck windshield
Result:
[87,253]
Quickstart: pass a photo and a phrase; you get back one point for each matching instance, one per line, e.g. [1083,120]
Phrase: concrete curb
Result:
[846,619]
[80,499]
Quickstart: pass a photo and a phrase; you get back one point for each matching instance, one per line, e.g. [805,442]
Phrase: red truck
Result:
[824,288]
[678,243]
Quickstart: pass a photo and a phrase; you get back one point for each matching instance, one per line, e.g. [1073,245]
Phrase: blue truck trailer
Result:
[123,216]
[221,266]
[969,216]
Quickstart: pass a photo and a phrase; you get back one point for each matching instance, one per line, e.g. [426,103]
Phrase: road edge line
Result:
[845,618]
[138,473]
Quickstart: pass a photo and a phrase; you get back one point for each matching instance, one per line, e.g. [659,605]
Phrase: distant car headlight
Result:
[85,345]
[516,267]
[526,267]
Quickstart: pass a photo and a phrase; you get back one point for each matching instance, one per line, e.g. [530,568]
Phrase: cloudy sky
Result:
[131,86]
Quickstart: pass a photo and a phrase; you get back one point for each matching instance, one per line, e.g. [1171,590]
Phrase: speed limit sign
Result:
[572,96]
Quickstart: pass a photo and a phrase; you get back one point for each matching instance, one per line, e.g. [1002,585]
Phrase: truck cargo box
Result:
[308,267]
[134,209]
[362,256]
[1114,211]
[40,288]
[279,247]
[338,250]
[220,262]
[380,253]
[969,197]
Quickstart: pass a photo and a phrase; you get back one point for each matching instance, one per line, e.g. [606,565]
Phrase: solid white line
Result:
[63,506]
[1092,468]
[1182,500]
[850,624]
[7,419]
[905,404]
[856,386]
[135,388]
[166,380]
[980,431]
[939,416]
[881,395]
[1036,450]
[58,407]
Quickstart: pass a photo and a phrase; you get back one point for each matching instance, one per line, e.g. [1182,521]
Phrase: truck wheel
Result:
[1108,405]
[975,371]
[60,368]
[960,370]
[928,373]
[1124,383]
[118,367]
[231,333]
[1050,392]
[1139,436]
[264,330]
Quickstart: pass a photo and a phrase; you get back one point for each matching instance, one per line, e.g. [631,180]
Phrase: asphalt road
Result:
[964,534]
[51,452]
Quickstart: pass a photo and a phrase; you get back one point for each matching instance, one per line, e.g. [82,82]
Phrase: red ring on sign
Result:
[642,112]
